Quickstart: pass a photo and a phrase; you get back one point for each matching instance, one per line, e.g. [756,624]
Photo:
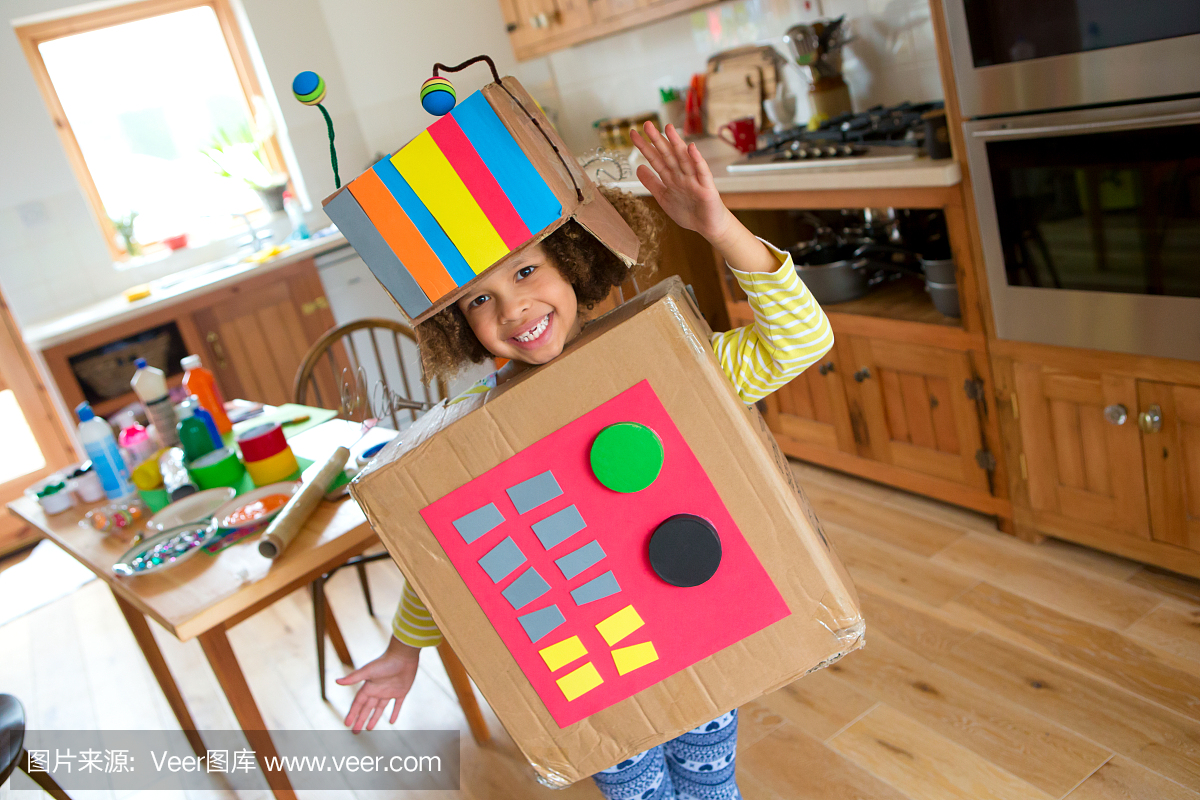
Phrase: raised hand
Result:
[679,179]
[388,678]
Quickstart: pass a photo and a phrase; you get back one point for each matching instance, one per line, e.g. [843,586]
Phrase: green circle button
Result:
[627,457]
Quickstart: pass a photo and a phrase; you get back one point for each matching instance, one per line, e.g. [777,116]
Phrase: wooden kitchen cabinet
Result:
[533,24]
[1169,423]
[1108,456]
[1083,454]
[252,334]
[919,406]
[255,338]
[813,408]
[537,27]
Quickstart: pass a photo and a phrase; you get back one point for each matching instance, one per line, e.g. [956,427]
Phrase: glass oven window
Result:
[1003,31]
[1103,212]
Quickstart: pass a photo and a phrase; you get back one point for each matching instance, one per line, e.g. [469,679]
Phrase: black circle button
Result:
[685,550]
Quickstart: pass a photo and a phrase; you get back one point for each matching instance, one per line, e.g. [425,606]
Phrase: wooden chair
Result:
[12,748]
[348,369]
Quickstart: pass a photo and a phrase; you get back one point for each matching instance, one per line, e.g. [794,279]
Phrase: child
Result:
[527,314]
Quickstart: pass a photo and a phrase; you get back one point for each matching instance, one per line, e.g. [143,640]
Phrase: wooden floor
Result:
[993,669]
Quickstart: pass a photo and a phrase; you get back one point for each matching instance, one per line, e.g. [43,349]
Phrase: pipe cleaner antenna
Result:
[309,88]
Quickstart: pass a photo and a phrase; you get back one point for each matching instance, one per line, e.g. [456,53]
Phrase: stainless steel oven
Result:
[1014,56]
[1090,226]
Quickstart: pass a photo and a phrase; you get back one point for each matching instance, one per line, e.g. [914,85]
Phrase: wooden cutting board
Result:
[737,83]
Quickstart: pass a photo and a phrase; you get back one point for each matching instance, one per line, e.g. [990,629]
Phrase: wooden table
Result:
[206,595]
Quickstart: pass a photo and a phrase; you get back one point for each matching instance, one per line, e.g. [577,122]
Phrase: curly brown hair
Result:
[446,340]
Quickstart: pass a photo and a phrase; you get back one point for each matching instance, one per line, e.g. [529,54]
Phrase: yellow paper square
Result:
[580,681]
[630,658]
[619,625]
[563,653]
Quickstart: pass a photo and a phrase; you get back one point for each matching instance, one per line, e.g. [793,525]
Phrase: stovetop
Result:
[902,124]
[876,135]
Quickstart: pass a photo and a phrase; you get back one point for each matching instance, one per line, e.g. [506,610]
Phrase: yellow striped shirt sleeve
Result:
[790,332]
[412,624]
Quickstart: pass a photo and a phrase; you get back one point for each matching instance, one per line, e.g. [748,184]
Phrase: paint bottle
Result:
[97,439]
[202,383]
[206,417]
[151,388]
[195,438]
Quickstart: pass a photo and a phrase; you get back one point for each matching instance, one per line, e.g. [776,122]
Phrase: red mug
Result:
[745,138]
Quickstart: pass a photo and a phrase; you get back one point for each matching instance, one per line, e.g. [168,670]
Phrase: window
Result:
[161,117]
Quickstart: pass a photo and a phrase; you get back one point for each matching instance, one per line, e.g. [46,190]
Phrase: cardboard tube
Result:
[287,523]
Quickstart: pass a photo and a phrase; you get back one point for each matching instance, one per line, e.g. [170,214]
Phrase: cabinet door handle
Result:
[826,368]
[1116,413]
[214,344]
[862,375]
[1150,420]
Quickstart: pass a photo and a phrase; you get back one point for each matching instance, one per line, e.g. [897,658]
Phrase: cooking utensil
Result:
[945,298]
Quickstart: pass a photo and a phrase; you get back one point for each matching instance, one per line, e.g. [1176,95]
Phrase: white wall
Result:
[374,54]
[894,58]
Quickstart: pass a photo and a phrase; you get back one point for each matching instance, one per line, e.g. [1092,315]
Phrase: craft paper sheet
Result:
[596,646]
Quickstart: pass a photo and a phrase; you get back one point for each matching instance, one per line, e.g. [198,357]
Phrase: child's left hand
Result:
[679,179]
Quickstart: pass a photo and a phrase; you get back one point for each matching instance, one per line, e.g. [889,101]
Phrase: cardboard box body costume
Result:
[562,536]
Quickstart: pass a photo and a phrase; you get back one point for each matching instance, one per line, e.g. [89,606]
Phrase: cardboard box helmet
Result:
[612,542]
[470,194]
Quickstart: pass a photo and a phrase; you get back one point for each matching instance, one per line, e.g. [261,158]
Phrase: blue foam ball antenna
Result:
[309,88]
[438,96]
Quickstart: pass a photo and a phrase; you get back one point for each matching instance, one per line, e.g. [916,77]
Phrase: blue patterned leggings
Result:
[699,765]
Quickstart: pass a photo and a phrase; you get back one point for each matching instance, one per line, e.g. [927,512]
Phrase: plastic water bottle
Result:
[295,215]
[101,447]
[151,388]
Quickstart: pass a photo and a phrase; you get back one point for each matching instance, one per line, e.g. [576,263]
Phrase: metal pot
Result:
[834,273]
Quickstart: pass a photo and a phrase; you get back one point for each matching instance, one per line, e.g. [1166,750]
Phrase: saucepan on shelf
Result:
[840,271]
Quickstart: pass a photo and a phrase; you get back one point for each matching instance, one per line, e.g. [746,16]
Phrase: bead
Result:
[309,88]
[437,96]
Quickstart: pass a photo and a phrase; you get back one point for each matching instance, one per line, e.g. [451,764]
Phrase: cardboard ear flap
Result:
[606,224]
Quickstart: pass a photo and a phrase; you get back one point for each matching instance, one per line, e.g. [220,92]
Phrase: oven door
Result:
[1011,56]
[1090,226]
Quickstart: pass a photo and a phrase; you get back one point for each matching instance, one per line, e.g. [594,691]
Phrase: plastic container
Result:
[207,419]
[150,386]
[199,381]
[97,439]
[195,438]
[136,440]
[85,483]
[54,498]
[295,215]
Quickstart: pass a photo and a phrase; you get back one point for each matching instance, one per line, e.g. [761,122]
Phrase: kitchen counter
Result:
[841,174]
[167,290]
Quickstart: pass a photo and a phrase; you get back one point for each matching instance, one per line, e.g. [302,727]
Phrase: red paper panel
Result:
[685,625]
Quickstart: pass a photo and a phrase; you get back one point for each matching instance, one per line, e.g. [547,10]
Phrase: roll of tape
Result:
[262,441]
[218,468]
[274,469]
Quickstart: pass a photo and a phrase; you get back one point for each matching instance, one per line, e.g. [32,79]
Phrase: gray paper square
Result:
[530,494]
[539,623]
[596,589]
[478,522]
[577,561]
[525,589]
[559,526]
[502,560]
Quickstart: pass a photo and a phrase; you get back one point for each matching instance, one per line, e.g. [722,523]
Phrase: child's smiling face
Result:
[526,313]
